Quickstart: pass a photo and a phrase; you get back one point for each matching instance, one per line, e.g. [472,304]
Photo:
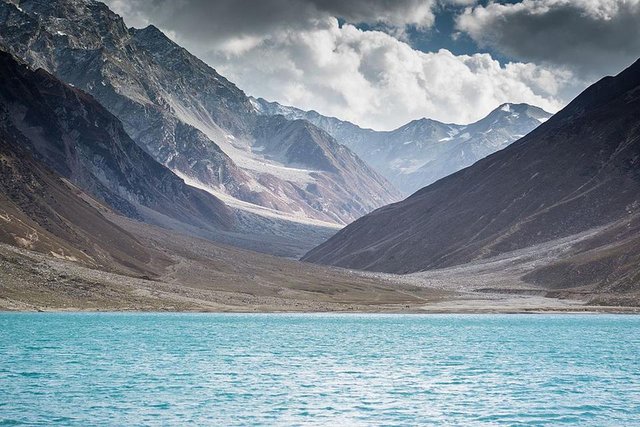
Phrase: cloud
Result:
[590,37]
[220,20]
[375,80]
[297,53]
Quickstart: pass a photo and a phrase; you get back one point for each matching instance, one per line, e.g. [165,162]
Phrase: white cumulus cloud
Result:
[375,80]
[296,52]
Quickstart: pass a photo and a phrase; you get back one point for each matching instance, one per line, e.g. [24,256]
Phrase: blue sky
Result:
[441,35]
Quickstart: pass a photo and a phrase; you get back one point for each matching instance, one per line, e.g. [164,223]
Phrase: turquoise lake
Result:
[281,369]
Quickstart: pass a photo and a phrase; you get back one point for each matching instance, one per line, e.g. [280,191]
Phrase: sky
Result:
[383,63]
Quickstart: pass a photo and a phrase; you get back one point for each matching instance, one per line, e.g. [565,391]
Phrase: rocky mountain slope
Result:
[67,130]
[579,172]
[187,116]
[60,249]
[73,135]
[41,211]
[423,151]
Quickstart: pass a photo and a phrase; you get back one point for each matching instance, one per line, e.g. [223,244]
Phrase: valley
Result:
[136,177]
[185,273]
[191,274]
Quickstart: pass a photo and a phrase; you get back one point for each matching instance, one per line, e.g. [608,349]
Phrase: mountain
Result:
[578,174]
[73,135]
[40,210]
[190,118]
[423,151]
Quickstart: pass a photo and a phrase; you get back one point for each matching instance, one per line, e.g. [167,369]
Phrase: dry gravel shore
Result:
[205,276]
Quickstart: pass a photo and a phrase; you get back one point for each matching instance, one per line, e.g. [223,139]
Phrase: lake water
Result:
[280,369]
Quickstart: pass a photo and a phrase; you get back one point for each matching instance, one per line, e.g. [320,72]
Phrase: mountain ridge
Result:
[423,150]
[181,111]
[578,171]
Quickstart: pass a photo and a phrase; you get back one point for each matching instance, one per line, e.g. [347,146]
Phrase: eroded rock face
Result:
[423,151]
[578,171]
[186,115]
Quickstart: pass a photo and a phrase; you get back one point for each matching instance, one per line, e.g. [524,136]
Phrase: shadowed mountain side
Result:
[72,134]
[577,171]
[42,212]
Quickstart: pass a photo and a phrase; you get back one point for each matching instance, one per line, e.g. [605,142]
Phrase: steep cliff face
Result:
[73,135]
[422,151]
[183,113]
[578,172]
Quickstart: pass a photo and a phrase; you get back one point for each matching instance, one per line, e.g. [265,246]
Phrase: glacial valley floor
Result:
[209,277]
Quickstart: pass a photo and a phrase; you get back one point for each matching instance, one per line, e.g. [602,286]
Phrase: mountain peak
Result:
[511,111]
[152,29]
[509,107]
[422,122]
[151,32]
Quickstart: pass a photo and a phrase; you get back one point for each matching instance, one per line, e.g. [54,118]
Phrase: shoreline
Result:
[590,310]
[203,277]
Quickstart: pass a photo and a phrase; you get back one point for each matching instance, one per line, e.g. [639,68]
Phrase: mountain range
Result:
[120,151]
[422,151]
[191,119]
[72,134]
[578,174]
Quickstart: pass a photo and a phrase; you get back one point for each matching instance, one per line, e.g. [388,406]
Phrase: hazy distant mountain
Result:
[73,135]
[423,151]
[578,172]
[190,118]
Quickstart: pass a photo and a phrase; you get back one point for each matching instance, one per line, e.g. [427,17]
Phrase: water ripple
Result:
[177,369]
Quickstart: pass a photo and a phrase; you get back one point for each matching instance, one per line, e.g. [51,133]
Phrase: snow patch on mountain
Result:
[297,217]
[423,151]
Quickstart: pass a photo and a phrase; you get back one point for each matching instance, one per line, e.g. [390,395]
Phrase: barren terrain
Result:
[205,276]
